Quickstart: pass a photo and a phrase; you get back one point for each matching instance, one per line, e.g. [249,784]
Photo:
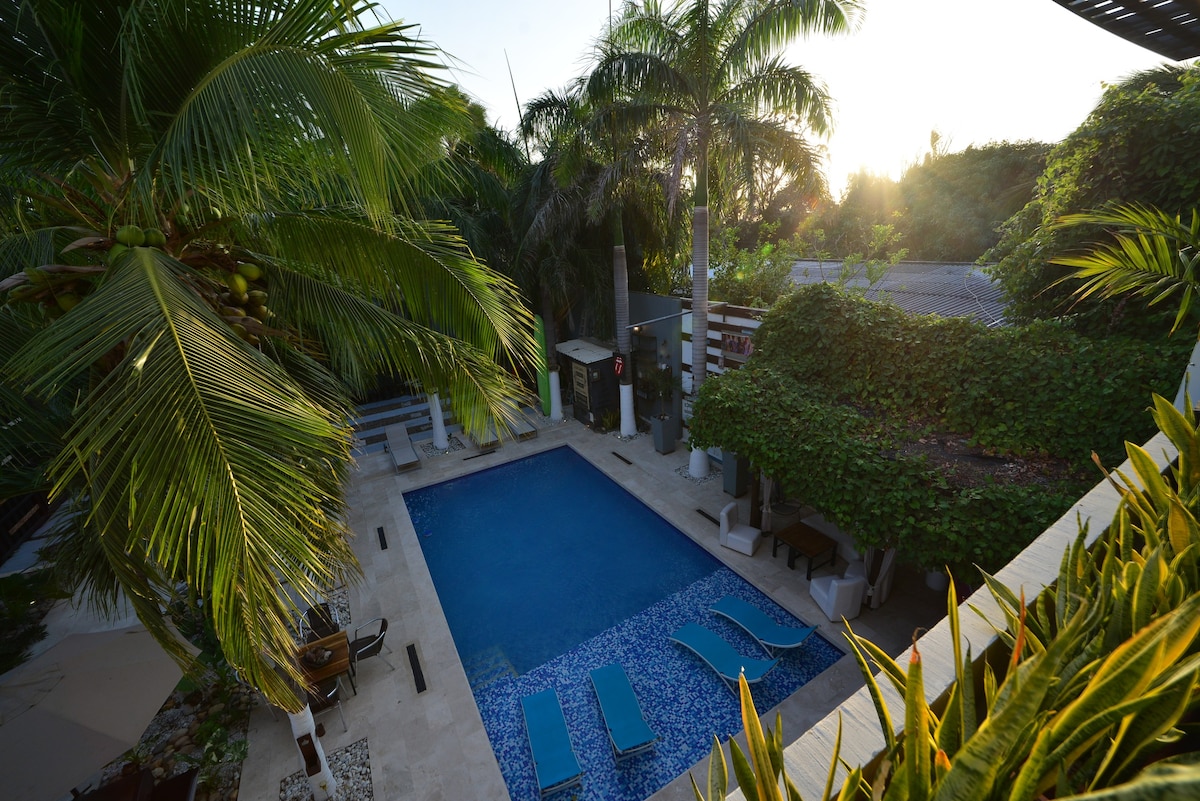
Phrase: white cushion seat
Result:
[838,597]
[739,537]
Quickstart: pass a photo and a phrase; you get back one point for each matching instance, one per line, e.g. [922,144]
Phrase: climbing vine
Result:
[840,388]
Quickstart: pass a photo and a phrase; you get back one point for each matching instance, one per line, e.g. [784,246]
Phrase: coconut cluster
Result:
[235,289]
[244,301]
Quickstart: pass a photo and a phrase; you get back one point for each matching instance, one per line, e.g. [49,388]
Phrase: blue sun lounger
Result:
[628,732]
[772,636]
[554,758]
[721,656]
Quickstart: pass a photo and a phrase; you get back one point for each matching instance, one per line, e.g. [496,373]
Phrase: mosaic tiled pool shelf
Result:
[684,700]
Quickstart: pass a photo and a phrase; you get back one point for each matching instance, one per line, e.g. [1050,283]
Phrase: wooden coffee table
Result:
[339,663]
[802,539]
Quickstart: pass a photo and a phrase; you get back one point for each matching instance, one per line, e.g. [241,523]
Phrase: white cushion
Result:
[741,538]
[838,597]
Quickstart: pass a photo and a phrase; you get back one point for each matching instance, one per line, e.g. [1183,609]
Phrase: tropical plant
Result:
[168,164]
[706,83]
[752,276]
[603,166]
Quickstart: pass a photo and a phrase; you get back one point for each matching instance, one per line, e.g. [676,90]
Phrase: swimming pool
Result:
[547,569]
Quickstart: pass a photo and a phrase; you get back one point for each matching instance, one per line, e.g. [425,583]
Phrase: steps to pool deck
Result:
[372,419]
[488,666]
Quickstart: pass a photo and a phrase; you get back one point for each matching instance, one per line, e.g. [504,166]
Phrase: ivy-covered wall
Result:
[839,387]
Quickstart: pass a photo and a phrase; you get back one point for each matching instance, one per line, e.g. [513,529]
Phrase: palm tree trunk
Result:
[440,440]
[320,776]
[550,334]
[698,461]
[621,302]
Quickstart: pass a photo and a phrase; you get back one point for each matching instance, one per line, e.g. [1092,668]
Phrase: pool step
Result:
[488,666]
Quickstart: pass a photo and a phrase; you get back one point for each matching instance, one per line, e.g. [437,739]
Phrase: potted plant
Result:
[661,385]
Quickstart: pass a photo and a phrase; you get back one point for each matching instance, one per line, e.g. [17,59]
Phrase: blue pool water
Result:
[546,569]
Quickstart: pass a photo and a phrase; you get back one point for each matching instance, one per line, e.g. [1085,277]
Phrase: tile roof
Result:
[946,290]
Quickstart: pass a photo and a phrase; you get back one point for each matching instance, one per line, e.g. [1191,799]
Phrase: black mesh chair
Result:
[319,621]
[328,695]
[365,645]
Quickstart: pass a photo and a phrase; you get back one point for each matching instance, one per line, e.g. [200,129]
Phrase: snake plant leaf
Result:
[1121,683]
[857,647]
[718,776]
[980,761]
[1180,429]
[760,752]
[1141,733]
[1159,782]
[744,772]
[918,743]
[1048,758]
[1144,599]
[1182,528]
[888,666]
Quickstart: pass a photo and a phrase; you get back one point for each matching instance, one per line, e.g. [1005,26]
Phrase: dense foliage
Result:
[955,203]
[1090,692]
[214,239]
[948,207]
[841,391]
[1137,146]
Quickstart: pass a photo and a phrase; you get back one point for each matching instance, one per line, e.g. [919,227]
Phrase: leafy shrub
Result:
[840,386]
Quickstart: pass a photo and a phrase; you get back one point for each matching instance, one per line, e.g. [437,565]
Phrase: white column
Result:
[324,786]
[698,463]
[556,412]
[628,418]
[440,440]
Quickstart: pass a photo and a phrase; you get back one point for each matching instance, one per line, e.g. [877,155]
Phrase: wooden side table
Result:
[802,539]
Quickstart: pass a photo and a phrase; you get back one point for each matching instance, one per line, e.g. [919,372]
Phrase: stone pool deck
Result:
[432,745]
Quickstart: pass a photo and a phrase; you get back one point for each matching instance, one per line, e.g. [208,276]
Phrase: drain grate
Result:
[382,539]
[708,517]
[415,663]
[622,458]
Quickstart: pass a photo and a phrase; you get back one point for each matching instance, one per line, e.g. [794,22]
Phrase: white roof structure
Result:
[581,350]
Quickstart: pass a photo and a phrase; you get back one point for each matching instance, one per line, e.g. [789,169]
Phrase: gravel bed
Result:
[351,766]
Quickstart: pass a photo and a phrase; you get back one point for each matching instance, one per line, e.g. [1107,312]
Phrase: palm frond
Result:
[1151,254]
[201,459]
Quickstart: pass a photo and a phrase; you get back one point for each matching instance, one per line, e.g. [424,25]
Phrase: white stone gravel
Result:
[351,766]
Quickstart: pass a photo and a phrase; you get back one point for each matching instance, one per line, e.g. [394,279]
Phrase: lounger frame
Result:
[772,636]
[709,646]
[621,711]
[546,730]
[400,446]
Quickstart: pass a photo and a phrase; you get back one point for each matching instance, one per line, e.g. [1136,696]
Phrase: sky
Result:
[976,71]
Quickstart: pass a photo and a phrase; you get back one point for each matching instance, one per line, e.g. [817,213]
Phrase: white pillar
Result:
[628,417]
[324,786]
[698,463]
[440,440]
[556,412]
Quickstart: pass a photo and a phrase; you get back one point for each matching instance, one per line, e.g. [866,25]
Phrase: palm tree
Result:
[708,79]
[594,159]
[168,164]
[1151,254]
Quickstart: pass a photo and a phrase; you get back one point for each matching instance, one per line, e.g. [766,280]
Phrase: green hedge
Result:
[838,385]
[1039,389]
